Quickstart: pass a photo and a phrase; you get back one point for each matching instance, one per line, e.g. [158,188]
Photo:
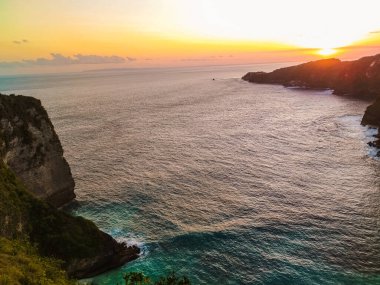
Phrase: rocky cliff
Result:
[359,78]
[33,177]
[31,148]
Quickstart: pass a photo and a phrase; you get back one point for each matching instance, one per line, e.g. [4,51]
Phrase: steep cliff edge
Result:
[359,78]
[29,144]
[31,148]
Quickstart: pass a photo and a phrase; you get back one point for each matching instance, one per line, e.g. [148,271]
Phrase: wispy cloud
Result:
[20,42]
[207,58]
[131,58]
[59,59]
[375,32]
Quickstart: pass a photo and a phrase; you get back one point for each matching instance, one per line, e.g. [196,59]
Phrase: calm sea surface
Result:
[221,180]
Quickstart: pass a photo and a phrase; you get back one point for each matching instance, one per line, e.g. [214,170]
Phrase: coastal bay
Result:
[206,175]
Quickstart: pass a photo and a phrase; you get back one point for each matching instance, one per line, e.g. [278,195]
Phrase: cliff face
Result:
[31,148]
[34,177]
[359,78]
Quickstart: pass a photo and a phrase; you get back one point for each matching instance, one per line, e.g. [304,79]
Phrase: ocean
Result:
[223,181]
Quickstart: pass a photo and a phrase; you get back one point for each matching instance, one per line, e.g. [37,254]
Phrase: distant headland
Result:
[358,79]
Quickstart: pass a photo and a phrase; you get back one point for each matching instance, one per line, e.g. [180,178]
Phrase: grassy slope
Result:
[54,233]
[21,264]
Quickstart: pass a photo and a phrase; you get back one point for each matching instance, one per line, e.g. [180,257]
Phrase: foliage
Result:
[54,232]
[138,278]
[21,264]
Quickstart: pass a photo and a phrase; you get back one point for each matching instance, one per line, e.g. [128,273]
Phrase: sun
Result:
[327,51]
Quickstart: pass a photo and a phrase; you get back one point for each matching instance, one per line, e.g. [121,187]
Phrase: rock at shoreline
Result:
[372,118]
[372,114]
[359,78]
[31,148]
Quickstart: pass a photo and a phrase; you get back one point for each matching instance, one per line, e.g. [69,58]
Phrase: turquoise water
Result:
[221,180]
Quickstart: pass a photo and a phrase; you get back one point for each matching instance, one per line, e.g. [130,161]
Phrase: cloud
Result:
[20,42]
[10,64]
[375,32]
[131,58]
[96,59]
[207,58]
[59,59]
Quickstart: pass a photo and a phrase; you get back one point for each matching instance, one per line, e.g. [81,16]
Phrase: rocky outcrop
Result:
[115,255]
[359,78]
[31,148]
[372,114]
[372,118]
[34,179]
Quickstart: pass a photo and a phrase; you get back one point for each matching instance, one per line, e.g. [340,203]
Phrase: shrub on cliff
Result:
[138,278]
[20,264]
[55,233]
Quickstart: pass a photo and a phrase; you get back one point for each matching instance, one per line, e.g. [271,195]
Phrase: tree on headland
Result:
[138,278]
[172,279]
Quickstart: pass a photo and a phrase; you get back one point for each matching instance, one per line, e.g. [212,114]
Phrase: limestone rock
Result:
[31,148]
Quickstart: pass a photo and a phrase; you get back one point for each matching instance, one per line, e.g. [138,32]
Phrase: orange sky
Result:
[60,35]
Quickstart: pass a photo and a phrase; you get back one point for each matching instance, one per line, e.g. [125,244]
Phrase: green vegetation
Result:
[52,232]
[20,264]
[37,241]
[138,278]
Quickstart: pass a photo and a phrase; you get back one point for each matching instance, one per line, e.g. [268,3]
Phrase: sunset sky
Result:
[60,35]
